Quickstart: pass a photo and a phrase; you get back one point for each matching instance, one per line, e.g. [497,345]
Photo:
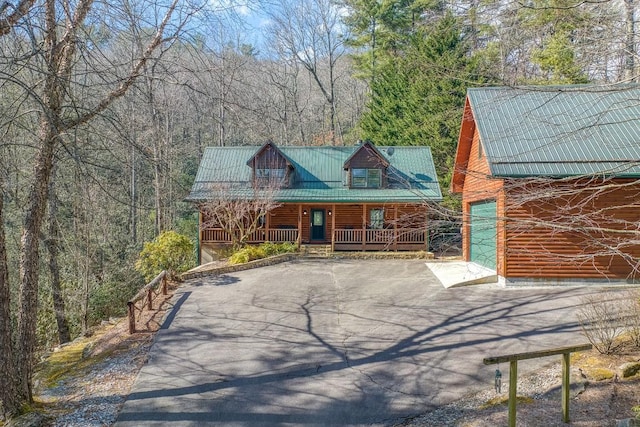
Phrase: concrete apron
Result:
[460,273]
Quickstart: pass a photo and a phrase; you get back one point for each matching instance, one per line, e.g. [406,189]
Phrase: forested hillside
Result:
[106,107]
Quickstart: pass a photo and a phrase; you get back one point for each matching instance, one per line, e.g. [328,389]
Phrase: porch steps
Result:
[316,251]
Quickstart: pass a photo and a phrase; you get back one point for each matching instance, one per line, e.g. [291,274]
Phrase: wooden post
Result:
[513,392]
[131,310]
[299,226]
[513,374]
[267,226]
[150,299]
[395,228]
[200,231]
[426,230]
[164,285]
[333,227]
[364,227]
[566,384]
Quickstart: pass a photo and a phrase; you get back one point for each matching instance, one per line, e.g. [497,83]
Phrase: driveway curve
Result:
[336,342]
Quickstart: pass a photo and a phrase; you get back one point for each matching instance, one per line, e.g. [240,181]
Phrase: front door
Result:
[317,224]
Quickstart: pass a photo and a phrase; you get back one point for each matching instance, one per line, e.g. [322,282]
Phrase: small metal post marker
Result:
[498,381]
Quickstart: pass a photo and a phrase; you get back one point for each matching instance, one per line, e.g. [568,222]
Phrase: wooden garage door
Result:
[483,233]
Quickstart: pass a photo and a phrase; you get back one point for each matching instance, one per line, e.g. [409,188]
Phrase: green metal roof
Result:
[559,130]
[319,175]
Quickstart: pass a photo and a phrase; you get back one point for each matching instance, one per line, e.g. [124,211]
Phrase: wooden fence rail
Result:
[513,374]
[146,295]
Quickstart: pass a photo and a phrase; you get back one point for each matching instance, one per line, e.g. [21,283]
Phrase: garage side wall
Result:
[573,229]
[480,186]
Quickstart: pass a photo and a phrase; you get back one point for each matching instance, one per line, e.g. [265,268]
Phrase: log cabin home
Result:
[549,183]
[355,198]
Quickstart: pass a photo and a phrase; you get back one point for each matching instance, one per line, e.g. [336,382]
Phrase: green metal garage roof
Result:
[559,130]
[319,175]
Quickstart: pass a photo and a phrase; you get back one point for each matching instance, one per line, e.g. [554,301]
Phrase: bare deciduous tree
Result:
[63,32]
[309,32]
[238,212]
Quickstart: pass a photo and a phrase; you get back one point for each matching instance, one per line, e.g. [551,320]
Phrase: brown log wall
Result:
[345,216]
[575,232]
[285,215]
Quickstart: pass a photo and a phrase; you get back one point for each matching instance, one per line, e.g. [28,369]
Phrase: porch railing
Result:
[283,235]
[347,235]
[400,235]
[218,235]
[341,236]
[215,235]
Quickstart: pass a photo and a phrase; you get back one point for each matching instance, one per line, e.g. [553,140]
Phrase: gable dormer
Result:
[366,167]
[270,167]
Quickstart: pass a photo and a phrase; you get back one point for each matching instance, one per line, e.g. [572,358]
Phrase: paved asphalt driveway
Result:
[336,342]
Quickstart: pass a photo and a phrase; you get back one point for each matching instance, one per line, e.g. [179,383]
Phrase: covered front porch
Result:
[345,227]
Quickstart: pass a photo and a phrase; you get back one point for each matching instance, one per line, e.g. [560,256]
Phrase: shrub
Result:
[170,251]
[246,254]
[631,312]
[267,249]
[287,247]
[602,319]
[240,257]
[270,248]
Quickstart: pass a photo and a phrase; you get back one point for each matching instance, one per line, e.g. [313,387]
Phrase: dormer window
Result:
[271,177]
[270,174]
[271,168]
[367,167]
[366,178]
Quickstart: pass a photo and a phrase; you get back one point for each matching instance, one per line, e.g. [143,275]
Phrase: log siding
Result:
[347,227]
[536,239]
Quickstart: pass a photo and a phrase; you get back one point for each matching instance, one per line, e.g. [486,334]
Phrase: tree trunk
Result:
[8,373]
[54,270]
[133,184]
[133,208]
[59,49]
[630,44]
[29,261]
[58,55]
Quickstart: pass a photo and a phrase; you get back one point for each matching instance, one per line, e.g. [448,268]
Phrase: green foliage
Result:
[170,251]
[557,57]
[241,256]
[418,99]
[380,30]
[556,23]
[109,300]
[267,249]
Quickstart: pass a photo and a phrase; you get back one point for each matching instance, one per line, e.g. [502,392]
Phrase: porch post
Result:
[364,227]
[299,225]
[333,227]
[395,228]
[267,220]
[199,254]
[426,229]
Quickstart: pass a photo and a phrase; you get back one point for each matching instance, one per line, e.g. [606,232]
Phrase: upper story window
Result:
[274,174]
[271,168]
[270,177]
[366,178]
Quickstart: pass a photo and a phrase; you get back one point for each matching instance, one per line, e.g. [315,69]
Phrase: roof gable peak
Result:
[266,147]
[371,148]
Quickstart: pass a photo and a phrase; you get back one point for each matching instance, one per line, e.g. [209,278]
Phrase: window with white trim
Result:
[366,178]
